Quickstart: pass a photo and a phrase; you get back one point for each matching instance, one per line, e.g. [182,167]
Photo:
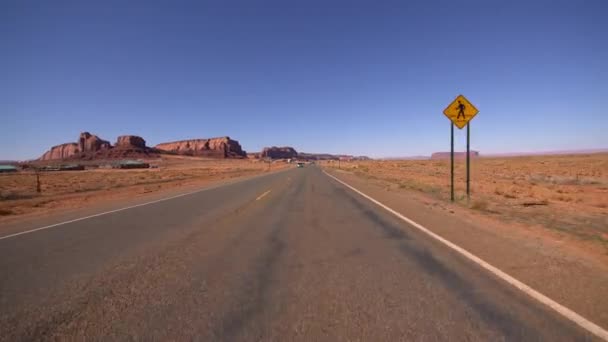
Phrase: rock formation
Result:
[223,147]
[457,155]
[287,152]
[130,141]
[90,147]
[274,152]
[127,146]
[89,143]
[62,151]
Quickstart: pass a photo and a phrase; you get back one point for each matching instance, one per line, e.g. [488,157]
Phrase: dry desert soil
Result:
[565,196]
[66,190]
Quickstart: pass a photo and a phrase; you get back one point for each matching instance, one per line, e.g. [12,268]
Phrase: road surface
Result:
[290,256]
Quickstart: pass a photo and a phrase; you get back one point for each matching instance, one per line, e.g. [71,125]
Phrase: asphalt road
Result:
[284,257]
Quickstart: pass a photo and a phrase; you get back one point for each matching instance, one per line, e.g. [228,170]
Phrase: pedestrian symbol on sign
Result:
[461,108]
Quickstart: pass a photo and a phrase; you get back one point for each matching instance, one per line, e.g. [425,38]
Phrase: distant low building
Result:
[130,164]
[70,167]
[8,168]
[73,167]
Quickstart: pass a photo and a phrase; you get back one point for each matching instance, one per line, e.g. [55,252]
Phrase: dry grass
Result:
[568,194]
[69,188]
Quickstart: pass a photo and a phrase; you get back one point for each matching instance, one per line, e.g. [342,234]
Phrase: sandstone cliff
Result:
[89,143]
[223,147]
[274,152]
[62,151]
[127,146]
[287,152]
[130,141]
[91,147]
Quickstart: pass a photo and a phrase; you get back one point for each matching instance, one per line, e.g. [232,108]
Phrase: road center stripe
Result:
[262,195]
[207,188]
[564,311]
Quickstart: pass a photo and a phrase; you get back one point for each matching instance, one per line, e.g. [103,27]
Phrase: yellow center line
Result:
[262,195]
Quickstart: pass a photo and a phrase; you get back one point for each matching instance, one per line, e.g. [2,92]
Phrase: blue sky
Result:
[358,77]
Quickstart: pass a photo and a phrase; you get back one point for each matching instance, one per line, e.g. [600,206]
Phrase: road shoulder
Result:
[116,200]
[575,280]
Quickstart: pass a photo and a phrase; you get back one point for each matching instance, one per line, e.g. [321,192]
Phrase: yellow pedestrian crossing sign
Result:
[460,111]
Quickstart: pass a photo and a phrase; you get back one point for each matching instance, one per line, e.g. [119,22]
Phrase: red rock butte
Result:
[90,146]
[87,144]
[222,147]
[130,141]
[274,152]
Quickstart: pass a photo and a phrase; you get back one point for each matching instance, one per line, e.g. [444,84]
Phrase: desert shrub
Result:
[479,205]
[562,180]
[11,196]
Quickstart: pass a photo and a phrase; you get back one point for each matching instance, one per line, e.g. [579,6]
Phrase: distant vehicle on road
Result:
[300,164]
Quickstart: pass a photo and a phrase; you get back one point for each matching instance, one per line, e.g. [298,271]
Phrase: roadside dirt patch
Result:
[566,195]
[76,189]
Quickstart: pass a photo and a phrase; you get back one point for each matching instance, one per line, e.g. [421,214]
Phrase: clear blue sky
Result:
[322,76]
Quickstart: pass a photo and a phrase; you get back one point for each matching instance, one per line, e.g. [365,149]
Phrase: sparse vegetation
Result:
[18,191]
[479,205]
[565,191]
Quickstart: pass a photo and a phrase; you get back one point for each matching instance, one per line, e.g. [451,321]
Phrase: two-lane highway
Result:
[288,256]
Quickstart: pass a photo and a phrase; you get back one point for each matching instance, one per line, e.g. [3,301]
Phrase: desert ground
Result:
[75,189]
[564,194]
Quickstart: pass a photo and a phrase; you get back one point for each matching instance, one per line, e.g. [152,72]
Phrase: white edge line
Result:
[262,195]
[564,311]
[135,206]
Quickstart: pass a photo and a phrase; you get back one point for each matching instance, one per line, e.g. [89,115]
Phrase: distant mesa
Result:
[63,151]
[222,147]
[87,146]
[287,152]
[89,143]
[457,155]
[90,147]
[9,162]
[327,156]
[130,142]
[274,152]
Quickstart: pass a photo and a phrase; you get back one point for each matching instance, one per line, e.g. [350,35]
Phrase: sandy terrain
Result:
[76,189]
[567,195]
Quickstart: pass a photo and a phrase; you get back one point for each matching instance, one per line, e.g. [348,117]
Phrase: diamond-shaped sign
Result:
[460,111]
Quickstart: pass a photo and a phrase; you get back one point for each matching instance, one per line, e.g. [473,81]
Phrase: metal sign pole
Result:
[452,161]
[468,160]
[38,188]
[460,112]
